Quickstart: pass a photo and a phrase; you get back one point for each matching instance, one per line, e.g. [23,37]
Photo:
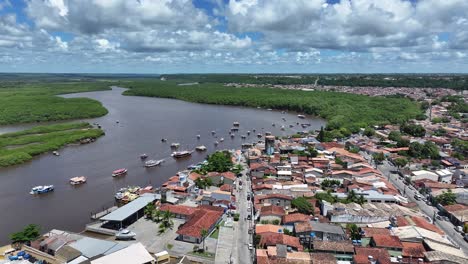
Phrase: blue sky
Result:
[174,36]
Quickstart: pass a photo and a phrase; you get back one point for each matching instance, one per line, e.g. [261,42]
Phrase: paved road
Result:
[242,254]
[428,210]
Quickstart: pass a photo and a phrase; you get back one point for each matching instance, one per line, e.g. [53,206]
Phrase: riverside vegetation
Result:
[19,147]
[344,112]
[37,102]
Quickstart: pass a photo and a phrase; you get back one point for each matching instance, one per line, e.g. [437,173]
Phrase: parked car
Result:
[417,196]
[250,246]
[249,217]
[459,229]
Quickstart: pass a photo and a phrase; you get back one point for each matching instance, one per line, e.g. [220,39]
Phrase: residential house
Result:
[274,199]
[271,213]
[202,219]
[273,239]
[343,250]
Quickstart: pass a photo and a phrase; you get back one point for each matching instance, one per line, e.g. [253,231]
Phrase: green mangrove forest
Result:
[38,101]
[19,147]
[342,110]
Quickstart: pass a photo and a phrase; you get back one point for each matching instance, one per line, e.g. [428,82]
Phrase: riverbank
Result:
[38,102]
[19,147]
[341,110]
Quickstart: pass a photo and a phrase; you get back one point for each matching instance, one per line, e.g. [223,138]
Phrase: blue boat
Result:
[42,189]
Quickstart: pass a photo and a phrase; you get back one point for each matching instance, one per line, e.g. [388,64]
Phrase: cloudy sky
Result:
[167,36]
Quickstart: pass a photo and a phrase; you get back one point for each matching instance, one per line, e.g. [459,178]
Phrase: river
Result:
[143,121]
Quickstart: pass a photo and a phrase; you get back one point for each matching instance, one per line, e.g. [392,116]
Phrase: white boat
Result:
[42,189]
[198,136]
[236,124]
[143,156]
[181,154]
[77,180]
[213,132]
[153,163]
[124,234]
[216,143]
[282,128]
[200,148]
[119,195]
[232,135]
[248,132]
[119,172]
[301,116]
[221,139]
[175,145]
[55,153]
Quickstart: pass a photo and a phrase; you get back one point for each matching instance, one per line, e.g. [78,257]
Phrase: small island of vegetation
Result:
[19,147]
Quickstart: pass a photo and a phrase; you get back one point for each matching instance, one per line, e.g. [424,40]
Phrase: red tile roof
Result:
[379,254]
[178,209]
[387,241]
[272,210]
[193,176]
[334,246]
[413,249]
[371,231]
[274,195]
[260,229]
[229,175]
[201,219]
[272,239]
[295,217]
[323,258]
[455,207]
[421,222]
[226,188]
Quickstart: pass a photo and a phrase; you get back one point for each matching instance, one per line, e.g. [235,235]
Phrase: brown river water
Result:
[143,121]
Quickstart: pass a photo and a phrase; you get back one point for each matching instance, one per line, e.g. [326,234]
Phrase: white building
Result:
[424,174]
[445,175]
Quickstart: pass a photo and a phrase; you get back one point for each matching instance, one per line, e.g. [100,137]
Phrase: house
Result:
[423,174]
[445,176]
[412,250]
[366,255]
[291,219]
[133,254]
[273,239]
[343,250]
[268,228]
[179,211]
[325,231]
[221,195]
[221,178]
[271,213]
[391,243]
[284,172]
[275,199]
[202,219]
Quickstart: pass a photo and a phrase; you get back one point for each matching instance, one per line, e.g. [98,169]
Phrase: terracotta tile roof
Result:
[272,210]
[177,188]
[421,222]
[302,227]
[334,246]
[178,209]
[226,188]
[413,249]
[276,196]
[262,186]
[371,231]
[201,219]
[455,207]
[387,241]
[193,176]
[295,217]
[211,208]
[229,175]
[402,221]
[323,258]
[260,229]
[379,254]
[272,239]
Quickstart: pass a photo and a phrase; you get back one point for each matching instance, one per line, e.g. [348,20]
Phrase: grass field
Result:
[37,102]
[19,147]
[341,110]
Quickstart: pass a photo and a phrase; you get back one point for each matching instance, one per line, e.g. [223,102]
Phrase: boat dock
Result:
[95,216]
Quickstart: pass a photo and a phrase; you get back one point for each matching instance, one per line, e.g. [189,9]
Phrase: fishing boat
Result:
[119,172]
[175,145]
[153,163]
[119,195]
[42,189]
[221,139]
[236,124]
[117,121]
[269,109]
[248,132]
[273,124]
[55,153]
[243,136]
[268,133]
[213,132]
[234,128]
[232,135]
[198,136]
[143,156]
[216,143]
[301,116]
[259,135]
[163,139]
[124,234]
[78,180]
[200,148]
[282,128]
[181,154]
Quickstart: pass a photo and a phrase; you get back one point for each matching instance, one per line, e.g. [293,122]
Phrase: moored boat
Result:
[119,172]
[221,139]
[175,145]
[301,116]
[153,163]
[143,156]
[42,189]
[55,153]
[198,136]
[236,124]
[77,180]
[200,148]
[181,154]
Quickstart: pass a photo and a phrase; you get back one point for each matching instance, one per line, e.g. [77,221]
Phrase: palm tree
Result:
[204,233]
[149,209]
[166,219]
[360,200]
[156,215]
[351,196]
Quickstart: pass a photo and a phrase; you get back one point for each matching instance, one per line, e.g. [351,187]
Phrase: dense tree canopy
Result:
[220,161]
[413,130]
[29,233]
[447,198]
[302,205]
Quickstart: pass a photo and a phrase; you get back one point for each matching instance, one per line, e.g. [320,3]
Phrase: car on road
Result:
[249,217]
[417,196]
[250,246]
